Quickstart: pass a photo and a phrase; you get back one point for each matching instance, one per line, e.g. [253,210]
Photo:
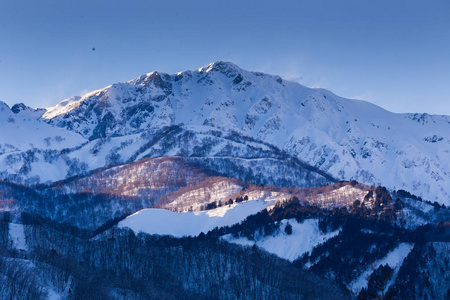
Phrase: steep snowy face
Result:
[350,139]
[117,110]
[219,95]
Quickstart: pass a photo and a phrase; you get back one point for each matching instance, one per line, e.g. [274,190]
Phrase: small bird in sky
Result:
[93,49]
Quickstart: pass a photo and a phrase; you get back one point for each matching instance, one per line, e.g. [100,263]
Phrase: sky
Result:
[395,54]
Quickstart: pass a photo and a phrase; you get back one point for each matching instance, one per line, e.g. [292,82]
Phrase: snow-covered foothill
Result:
[342,196]
[166,222]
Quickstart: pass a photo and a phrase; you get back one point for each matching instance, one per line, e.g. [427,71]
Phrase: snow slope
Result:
[305,236]
[226,153]
[165,222]
[393,259]
[21,131]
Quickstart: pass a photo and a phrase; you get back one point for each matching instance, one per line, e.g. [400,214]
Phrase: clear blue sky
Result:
[395,54]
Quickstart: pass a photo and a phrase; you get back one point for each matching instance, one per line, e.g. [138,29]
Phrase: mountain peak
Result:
[223,67]
[18,107]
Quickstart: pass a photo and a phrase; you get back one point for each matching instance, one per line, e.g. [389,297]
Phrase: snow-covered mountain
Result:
[349,139]
[234,165]
[190,113]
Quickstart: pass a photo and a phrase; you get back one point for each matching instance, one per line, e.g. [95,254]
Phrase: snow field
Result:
[165,222]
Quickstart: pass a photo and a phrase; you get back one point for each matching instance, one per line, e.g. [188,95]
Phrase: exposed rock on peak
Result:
[16,108]
[223,67]
[154,79]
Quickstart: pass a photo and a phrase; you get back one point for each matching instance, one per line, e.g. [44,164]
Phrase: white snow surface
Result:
[23,131]
[394,259]
[304,238]
[17,234]
[166,222]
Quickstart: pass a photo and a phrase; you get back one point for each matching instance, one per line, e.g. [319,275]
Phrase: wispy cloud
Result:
[83,92]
